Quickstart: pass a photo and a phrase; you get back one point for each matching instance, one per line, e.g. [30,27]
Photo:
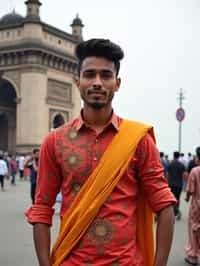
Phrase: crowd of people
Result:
[23,166]
[183,174]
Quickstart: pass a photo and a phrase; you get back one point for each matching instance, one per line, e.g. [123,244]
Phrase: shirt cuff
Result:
[162,199]
[40,214]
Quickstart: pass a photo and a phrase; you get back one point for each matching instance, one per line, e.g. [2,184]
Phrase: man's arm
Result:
[41,234]
[164,235]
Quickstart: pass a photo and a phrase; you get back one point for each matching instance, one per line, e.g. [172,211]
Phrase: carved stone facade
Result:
[37,73]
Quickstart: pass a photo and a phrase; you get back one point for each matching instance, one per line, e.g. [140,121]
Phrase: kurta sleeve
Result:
[151,175]
[191,182]
[48,183]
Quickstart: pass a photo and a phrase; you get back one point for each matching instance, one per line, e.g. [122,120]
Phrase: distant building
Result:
[37,71]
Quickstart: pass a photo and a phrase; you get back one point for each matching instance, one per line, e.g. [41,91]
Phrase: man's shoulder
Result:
[58,132]
[195,170]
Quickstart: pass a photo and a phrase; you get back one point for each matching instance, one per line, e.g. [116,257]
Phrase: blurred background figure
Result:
[193,192]
[32,164]
[194,161]
[176,171]
[13,169]
[27,162]
[164,162]
[3,171]
[21,166]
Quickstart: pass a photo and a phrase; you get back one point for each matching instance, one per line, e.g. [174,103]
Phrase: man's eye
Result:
[106,75]
[89,74]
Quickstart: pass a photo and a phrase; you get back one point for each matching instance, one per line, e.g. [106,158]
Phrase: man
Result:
[3,171]
[13,169]
[32,164]
[164,163]
[193,192]
[21,166]
[176,171]
[98,219]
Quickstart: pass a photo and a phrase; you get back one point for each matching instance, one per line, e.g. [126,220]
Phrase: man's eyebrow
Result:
[89,70]
[95,70]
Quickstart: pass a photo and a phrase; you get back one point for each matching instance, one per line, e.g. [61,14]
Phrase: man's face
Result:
[36,155]
[97,82]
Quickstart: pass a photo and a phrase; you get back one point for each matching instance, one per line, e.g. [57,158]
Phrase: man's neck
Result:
[97,119]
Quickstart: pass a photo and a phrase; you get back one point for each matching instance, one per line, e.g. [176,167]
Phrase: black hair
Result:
[161,154]
[198,152]
[176,154]
[35,150]
[99,48]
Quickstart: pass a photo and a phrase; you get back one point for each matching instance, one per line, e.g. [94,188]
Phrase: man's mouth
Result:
[96,93]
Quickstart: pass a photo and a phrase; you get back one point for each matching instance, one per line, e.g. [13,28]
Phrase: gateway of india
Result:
[37,72]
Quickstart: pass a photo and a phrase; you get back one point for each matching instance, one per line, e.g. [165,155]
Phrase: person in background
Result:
[183,160]
[13,169]
[193,162]
[104,165]
[189,158]
[164,163]
[21,166]
[32,164]
[193,193]
[176,171]
[27,166]
[3,171]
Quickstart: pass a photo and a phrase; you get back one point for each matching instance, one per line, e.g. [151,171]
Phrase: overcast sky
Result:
[161,41]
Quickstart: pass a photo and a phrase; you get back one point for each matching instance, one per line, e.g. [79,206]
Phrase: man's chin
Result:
[97,105]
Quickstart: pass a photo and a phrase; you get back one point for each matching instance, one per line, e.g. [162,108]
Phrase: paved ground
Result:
[16,246]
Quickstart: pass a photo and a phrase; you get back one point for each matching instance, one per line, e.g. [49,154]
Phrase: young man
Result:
[176,173]
[101,178]
[32,163]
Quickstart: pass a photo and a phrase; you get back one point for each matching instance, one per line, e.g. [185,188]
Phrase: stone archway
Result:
[7,116]
[4,131]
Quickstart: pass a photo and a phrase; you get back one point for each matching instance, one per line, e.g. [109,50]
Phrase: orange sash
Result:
[98,187]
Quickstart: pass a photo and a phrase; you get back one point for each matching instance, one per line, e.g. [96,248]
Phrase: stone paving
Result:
[16,245]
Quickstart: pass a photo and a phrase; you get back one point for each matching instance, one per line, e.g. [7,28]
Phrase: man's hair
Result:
[161,154]
[35,150]
[176,154]
[198,152]
[99,48]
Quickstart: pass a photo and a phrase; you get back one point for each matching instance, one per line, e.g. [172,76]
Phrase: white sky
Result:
[161,41]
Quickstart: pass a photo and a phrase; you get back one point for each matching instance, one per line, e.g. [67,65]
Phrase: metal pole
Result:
[179,136]
[181,97]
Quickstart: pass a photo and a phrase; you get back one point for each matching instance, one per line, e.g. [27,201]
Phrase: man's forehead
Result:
[97,63]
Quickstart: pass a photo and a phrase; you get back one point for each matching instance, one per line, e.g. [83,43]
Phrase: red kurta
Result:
[68,156]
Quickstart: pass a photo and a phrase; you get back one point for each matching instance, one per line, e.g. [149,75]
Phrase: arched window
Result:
[58,121]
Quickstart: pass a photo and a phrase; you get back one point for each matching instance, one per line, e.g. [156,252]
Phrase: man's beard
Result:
[96,105]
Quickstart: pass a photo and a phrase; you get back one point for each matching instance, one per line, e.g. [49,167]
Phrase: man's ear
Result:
[77,81]
[118,83]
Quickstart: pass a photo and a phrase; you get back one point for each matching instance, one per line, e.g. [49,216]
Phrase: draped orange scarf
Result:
[97,188]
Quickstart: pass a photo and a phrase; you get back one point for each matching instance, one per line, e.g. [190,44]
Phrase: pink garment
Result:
[193,187]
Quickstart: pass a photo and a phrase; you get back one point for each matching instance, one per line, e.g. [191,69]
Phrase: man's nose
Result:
[97,82]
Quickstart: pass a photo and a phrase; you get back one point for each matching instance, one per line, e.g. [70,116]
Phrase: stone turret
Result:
[77,27]
[33,9]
